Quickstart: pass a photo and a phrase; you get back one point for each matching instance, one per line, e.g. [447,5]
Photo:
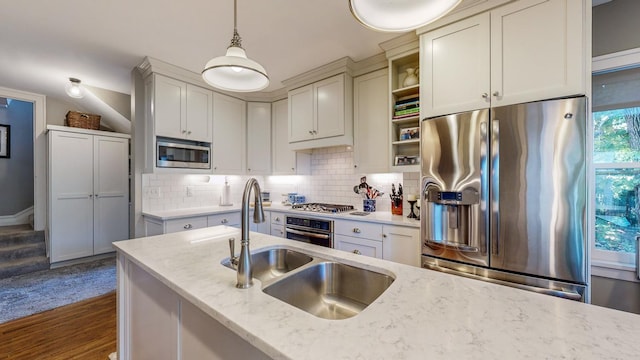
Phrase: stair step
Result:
[23,266]
[20,237]
[22,251]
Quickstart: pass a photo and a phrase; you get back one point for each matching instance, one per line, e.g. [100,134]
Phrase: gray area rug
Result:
[32,293]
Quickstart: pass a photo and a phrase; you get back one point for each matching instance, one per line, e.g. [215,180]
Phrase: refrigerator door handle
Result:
[495,185]
[638,257]
[451,245]
[566,294]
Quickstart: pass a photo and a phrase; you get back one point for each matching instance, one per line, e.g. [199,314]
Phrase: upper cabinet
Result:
[523,51]
[229,135]
[181,110]
[258,138]
[370,116]
[284,160]
[321,113]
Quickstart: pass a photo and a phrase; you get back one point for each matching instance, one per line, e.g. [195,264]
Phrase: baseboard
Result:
[23,217]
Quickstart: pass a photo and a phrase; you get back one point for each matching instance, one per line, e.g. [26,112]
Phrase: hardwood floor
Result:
[85,330]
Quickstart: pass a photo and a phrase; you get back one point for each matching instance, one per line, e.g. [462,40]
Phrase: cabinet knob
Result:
[315,132]
[357,252]
[184,131]
[485,95]
[189,132]
[356,230]
[384,235]
[355,166]
[90,196]
[249,169]
[292,169]
[310,132]
[224,221]
[188,226]
[277,219]
[496,93]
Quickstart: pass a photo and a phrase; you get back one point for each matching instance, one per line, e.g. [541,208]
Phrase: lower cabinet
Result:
[158,227]
[228,219]
[157,323]
[358,237]
[263,227]
[401,244]
[277,224]
[358,246]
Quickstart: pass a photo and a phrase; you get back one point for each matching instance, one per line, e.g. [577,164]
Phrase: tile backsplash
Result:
[331,181]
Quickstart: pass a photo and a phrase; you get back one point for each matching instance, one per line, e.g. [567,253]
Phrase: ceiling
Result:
[43,43]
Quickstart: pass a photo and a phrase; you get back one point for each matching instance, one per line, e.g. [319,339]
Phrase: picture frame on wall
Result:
[5,143]
[401,160]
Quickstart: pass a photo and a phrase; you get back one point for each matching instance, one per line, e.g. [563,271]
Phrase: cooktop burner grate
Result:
[324,208]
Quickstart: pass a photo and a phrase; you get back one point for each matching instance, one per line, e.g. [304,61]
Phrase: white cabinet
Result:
[229,135]
[321,114]
[181,110]
[155,226]
[524,51]
[258,138]
[263,227]
[401,244]
[228,219]
[371,129]
[277,224]
[285,161]
[358,237]
[88,192]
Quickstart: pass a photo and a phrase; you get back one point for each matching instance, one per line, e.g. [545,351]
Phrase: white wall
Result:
[16,172]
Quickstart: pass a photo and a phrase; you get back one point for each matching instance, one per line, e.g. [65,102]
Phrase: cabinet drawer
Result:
[358,246]
[277,218]
[191,223]
[359,229]
[277,230]
[229,219]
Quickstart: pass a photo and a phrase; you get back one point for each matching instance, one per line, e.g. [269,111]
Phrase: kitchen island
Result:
[194,308]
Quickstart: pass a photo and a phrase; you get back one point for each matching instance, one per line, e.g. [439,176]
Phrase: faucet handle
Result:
[233,260]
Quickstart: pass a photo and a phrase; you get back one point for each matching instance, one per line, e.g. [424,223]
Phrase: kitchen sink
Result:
[330,290]
[272,263]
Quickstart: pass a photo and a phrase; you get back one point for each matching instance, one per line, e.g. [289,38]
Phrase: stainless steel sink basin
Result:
[330,290]
[272,263]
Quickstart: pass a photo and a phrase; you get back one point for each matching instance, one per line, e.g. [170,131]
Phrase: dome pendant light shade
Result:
[234,71]
[74,89]
[399,15]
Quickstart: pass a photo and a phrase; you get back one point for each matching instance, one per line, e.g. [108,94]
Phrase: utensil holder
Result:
[369,205]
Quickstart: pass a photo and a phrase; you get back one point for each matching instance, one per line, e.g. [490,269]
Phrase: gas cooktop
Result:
[323,208]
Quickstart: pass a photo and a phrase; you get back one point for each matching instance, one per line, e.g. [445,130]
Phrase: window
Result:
[616,162]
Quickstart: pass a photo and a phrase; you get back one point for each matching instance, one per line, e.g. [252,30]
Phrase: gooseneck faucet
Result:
[245,271]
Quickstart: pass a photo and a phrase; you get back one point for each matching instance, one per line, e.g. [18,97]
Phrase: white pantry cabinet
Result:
[321,113]
[181,110]
[258,138]
[523,51]
[371,122]
[284,160]
[229,135]
[88,191]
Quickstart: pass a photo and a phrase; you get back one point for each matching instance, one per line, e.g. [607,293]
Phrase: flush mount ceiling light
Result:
[74,89]
[234,71]
[399,15]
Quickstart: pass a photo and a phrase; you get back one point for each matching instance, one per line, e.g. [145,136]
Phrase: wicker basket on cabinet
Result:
[83,120]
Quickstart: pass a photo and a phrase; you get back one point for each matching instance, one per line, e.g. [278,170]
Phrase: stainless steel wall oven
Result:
[309,230]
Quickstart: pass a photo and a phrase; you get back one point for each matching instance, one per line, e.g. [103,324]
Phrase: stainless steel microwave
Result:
[174,153]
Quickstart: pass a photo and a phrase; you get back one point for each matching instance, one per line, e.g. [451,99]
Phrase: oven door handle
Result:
[303,233]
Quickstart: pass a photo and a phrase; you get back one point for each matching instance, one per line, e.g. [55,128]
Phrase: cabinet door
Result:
[454,71]
[228,219]
[258,138]
[329,105]
[71,194]
[371,122]
[283,158]
[199,113]
[537,51]
[301,114]
[229,135]
[170,107]
[358,246]
[111,192]
[401,244]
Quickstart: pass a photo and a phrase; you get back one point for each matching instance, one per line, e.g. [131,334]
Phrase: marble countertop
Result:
[423,315]
[382,217]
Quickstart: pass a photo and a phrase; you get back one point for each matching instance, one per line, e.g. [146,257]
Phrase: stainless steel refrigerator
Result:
[504,195]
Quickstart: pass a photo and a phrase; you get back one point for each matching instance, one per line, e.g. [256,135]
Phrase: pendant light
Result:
[74,89]
[399,15]
[234,71]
